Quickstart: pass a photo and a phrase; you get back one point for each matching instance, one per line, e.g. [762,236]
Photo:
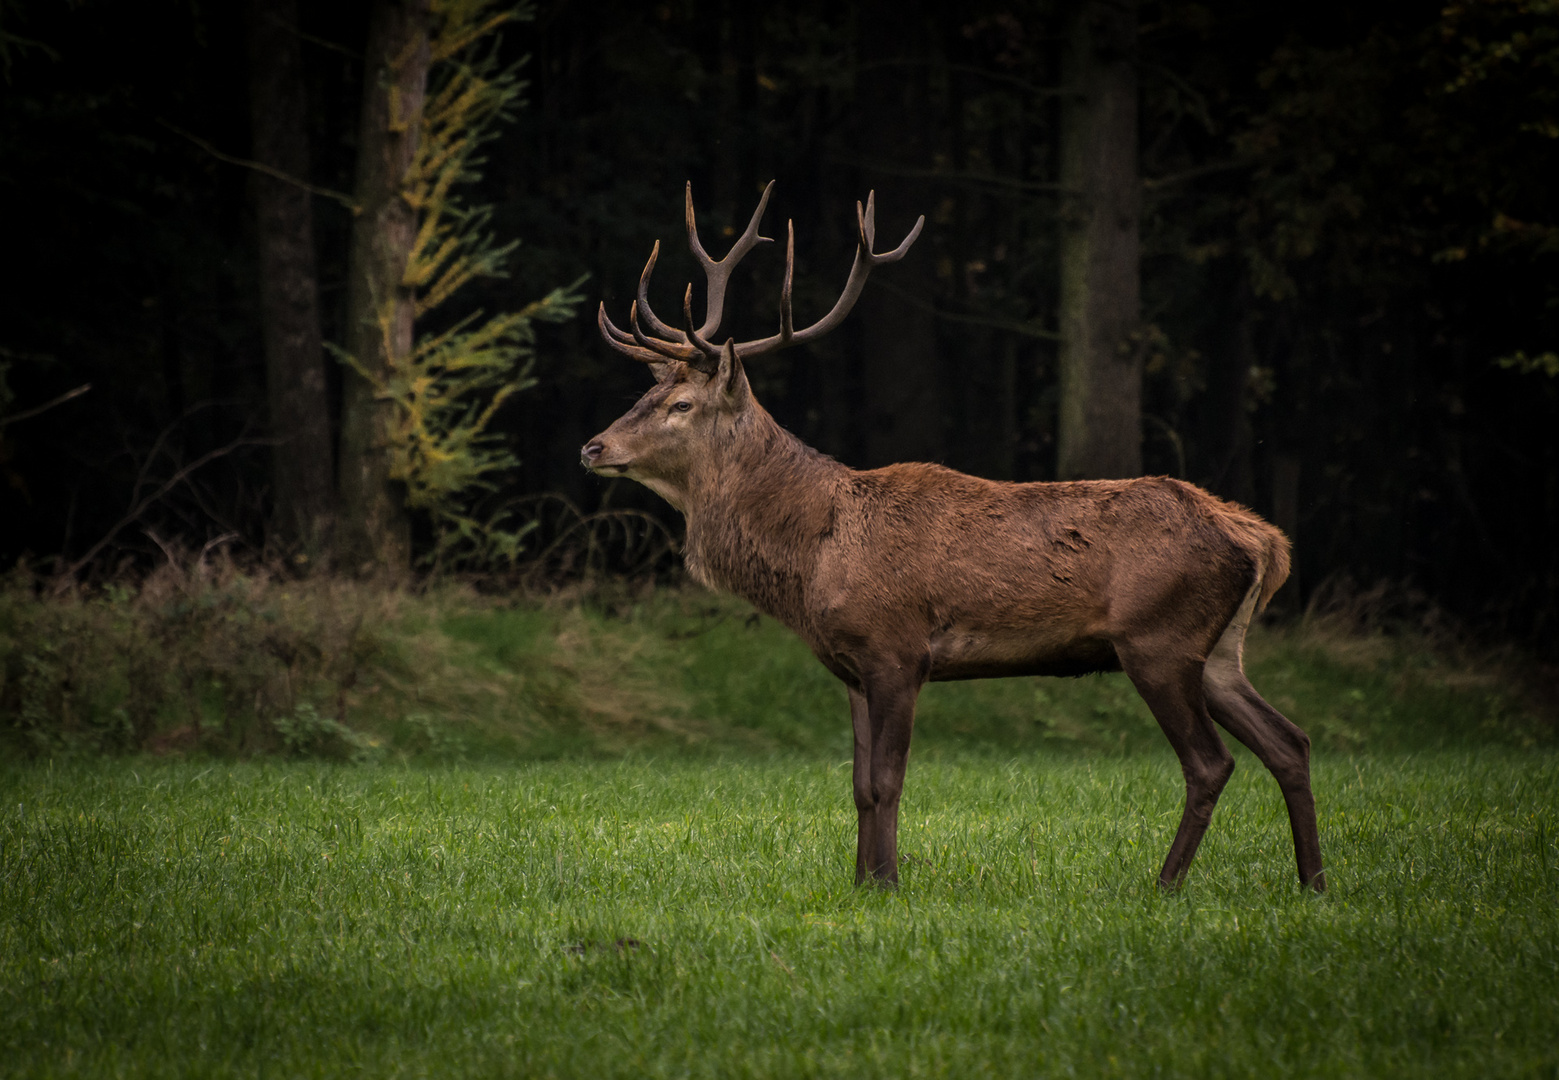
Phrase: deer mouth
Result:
[596,464]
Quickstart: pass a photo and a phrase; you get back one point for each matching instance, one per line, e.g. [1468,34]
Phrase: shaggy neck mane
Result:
[757,512]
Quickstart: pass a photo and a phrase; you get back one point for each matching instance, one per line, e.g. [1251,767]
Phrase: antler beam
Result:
[693,345]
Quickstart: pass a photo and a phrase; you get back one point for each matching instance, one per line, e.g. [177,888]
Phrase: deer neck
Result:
[757,512]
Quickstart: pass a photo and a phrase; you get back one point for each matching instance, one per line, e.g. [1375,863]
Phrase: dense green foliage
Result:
[656,918]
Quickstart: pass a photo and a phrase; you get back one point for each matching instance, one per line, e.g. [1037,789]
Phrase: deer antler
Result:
[693,346]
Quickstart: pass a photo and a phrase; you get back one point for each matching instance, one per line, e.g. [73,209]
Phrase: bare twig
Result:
[215,542]
[1198,99]
[167,551]
[1174,440]
[1156,183]
[985,73]
[260,167]
[144,470]
[643,539]
[311,39]
[27,414]
[225,538]
[140,507]
[995,322]
[968,179]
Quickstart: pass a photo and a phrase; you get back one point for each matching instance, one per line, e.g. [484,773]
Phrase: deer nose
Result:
[592,452]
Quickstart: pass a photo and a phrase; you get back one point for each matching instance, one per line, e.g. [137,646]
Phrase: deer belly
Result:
[959,653]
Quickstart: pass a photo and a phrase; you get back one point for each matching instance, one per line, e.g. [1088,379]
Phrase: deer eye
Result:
[682,406]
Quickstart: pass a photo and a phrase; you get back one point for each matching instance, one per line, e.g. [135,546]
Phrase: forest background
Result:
[1345,217]
[297,354]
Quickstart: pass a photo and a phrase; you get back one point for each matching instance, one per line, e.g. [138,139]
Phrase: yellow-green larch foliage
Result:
[449,387]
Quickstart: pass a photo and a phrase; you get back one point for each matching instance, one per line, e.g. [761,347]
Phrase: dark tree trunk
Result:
[302,477]
[1100,425]
[898,335]
[1226,431]
[375,535]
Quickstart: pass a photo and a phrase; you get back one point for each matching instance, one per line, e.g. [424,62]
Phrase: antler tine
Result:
[644,300]
[718,273]
[866,225]
[709,361]
[609,329]
[623,342]
[871,235]
[903,249]
[787,327]
[866,222]
[693,243]
[666,349]
[860,269]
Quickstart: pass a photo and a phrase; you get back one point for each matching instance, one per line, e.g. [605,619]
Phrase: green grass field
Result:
[668,917]
[619,842]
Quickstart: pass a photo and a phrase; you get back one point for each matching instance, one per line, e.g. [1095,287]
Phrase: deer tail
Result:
[1274,565]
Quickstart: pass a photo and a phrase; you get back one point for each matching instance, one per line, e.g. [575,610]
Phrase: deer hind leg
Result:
[1172,687]
[1279,743]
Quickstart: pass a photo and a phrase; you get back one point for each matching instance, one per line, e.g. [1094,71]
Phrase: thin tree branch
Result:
[1201,112]
[149,501]
[225,538]
[1158,182]
[311,39]
[984,73]
[260,167]
[995,322]
[166,550]
[969,178]
[27,414]
[162,437]
[1174,439]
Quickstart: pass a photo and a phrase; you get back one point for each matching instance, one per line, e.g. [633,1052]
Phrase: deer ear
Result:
[665,371]
[730,376]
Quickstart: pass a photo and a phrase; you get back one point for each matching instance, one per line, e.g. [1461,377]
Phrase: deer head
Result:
[701,394]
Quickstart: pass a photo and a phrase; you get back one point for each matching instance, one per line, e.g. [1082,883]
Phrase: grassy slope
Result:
[694,672]
[208,917]
[184,919]
[238,666]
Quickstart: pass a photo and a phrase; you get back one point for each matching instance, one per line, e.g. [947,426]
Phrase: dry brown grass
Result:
[233,659]
[216,658]
[1356,656]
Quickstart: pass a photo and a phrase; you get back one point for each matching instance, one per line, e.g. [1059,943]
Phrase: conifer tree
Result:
[421,400]
[374,533]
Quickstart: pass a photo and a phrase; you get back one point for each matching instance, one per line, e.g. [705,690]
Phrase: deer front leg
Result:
[891,714]
[861,776]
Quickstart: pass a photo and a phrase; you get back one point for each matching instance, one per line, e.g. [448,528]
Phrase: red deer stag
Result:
[914,573]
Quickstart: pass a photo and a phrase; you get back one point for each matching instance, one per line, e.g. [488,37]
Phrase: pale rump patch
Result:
[1225,667]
